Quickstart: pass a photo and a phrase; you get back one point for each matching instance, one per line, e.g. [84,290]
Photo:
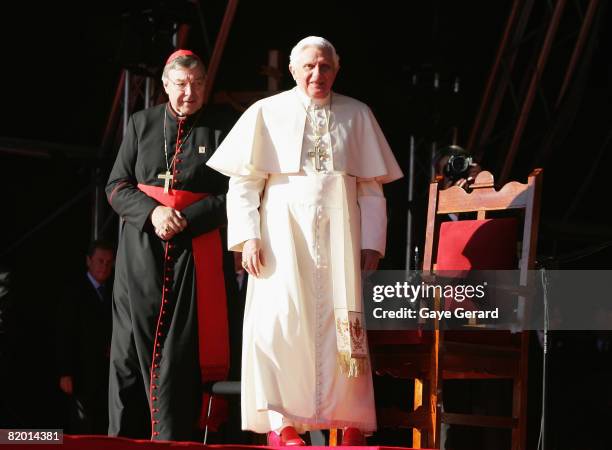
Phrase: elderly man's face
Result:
[185,89]
[314,72]
[100,264]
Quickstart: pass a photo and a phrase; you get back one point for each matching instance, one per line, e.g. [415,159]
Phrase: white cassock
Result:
[304,354]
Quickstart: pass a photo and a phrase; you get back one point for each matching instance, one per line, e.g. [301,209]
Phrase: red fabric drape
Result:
[210,287]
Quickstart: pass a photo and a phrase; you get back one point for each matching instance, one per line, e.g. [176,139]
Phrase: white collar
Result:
[94,282]
[307,101]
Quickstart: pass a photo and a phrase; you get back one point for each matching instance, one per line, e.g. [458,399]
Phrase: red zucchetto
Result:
[178,53]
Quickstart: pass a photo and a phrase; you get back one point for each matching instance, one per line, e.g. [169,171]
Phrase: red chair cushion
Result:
[488,244]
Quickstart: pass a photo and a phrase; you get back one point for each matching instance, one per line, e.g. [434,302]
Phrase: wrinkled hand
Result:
[252,258]
[167,222]
[65,384]
[369,259]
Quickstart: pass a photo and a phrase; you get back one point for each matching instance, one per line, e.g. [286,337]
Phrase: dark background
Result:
[61,65]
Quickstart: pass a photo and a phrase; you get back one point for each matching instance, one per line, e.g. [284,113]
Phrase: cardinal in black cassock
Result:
[169,306]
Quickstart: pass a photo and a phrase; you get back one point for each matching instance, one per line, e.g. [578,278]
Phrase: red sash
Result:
[210,287]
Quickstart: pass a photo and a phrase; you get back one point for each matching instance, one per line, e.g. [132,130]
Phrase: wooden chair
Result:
[484,242]
[465,232]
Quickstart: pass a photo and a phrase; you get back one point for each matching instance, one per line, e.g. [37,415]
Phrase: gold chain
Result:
[327,115]
[318,137]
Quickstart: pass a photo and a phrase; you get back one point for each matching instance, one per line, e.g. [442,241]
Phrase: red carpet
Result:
[111,443]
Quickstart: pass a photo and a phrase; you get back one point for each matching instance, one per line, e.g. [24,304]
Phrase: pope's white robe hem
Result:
[305,424]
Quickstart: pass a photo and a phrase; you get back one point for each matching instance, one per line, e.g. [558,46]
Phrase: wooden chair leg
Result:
[333,437]
[519,398]
[417,402]
[435,391]
[427,396]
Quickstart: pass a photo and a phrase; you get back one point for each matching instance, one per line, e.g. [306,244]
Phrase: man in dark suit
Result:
[84,336]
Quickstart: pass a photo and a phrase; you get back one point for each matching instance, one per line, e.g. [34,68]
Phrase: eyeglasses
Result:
[181,85]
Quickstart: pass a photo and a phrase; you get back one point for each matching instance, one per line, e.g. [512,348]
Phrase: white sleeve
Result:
[243,199]
[373,208]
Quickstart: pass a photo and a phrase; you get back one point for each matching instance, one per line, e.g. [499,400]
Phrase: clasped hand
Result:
[167,222]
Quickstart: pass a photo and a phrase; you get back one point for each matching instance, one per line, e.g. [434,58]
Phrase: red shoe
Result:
[352,436]
[287,437]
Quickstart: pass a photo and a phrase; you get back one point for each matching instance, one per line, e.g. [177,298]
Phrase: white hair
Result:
[183,62]
[313,41]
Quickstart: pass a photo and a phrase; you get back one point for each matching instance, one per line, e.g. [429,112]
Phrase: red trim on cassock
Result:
[115,189]
[210,288]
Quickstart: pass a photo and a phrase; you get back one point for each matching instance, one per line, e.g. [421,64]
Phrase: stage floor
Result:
[113,443]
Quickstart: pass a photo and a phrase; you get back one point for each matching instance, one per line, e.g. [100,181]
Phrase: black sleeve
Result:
[205,215]
[122,192]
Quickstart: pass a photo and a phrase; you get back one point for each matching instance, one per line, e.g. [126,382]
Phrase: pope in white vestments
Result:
[306,207]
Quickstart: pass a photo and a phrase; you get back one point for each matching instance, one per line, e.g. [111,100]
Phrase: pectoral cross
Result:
[167,177]
[318,153]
